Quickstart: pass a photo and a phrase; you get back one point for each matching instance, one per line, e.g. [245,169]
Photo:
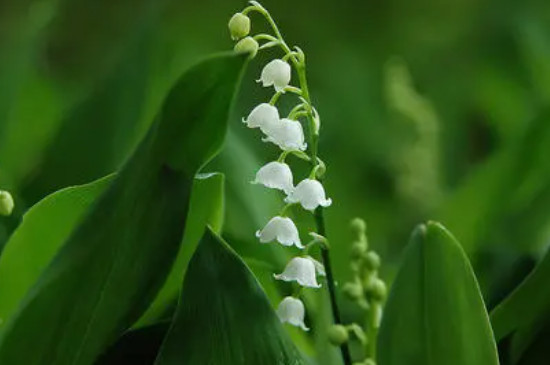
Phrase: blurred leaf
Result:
[35,242]
[224,316]
[531,299]
[114,263]
[206,208]
[136,347]
[435,313]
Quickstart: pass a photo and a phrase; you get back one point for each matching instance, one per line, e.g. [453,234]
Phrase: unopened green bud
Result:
[6,203]
[359,249]
[377,290]
[369,362]
[338,335]
[353,291]
[372,261]
[239,26]
[249,45]
[358,225]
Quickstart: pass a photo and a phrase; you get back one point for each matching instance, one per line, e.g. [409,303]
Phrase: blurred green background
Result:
[430,110]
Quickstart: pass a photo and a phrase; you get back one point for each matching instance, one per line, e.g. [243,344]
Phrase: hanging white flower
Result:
[310,194]
[265,116]
[281,229]
[276,73]
[292,311]
[301,270]
[288,134]
[319,267]
[275,175]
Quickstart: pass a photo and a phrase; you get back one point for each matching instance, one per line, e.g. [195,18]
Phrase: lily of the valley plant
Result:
[287,133]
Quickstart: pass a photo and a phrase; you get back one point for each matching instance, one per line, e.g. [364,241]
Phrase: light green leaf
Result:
[435,313]
[224,316]
[206,208]
[113,264]
[37,239]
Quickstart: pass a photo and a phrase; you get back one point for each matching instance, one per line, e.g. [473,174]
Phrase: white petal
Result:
[281,229]
[292,311]
[310,194]
[265,116]
[301,270]
[275,175]
[288,134]
[276,73]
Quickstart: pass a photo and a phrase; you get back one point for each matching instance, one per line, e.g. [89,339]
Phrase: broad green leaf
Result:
[206,208]
[224,316]
[531,298]
[37,239]
[435,313]
[115,261]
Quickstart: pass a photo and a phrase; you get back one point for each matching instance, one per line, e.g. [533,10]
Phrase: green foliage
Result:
[224,317]
[114,262]
[435,313]
[36,241]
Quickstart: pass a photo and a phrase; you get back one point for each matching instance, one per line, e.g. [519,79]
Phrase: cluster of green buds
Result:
[6,203]
[367,290]
[288,135]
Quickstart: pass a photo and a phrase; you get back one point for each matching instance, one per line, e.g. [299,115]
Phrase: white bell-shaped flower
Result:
[301,270]
[292,311]
[275,175]
[265,116]
[276,73]
[281,229]
[288,134]
[310,194]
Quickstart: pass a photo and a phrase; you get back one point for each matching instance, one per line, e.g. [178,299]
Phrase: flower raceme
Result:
[287,133]
[292,311]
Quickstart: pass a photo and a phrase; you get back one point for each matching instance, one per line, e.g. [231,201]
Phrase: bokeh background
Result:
[430,110]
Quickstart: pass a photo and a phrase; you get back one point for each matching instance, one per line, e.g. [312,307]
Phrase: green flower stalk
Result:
[288,134]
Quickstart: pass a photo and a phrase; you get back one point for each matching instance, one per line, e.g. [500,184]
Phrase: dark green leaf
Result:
[435,313]
[206,208]
[224,316]
[531,299]
[113,264]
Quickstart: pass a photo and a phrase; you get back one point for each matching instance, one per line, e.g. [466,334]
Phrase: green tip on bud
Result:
[359,226]
[353,291]
[247,45]
[377,290]
[239,26]
[338,335]
[6,203]
[372,261]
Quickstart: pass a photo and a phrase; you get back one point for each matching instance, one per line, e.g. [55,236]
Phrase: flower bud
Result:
[338,335]
[377,290]
[247,45]
[353,291]
[358,249]
[6,203]
[239,26]
[372,261]
[359,226]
